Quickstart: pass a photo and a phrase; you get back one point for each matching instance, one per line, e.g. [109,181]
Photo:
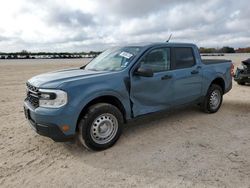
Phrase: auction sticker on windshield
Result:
[126,55]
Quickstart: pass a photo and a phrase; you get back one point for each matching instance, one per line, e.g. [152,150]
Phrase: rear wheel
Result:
[101,127]
[213,99]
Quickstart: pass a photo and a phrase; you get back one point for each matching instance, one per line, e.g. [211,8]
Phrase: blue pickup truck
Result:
[93,102]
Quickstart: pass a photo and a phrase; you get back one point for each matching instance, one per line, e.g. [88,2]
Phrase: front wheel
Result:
[101,127]
[213,99]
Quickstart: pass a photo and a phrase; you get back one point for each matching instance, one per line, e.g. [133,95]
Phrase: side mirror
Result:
[145,72]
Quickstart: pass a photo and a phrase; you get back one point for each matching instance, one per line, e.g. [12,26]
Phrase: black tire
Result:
[207,105]
[241,83]
[89,133]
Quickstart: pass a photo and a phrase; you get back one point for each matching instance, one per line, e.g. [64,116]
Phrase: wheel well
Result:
[220,82]
[103,99]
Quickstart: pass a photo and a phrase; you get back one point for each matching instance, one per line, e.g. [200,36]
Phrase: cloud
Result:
[2,38]
[137,8]
[79,25]
[69,18]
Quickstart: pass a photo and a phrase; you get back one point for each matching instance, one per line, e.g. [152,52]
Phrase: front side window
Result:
[114,59]
[157,60]
[184,58]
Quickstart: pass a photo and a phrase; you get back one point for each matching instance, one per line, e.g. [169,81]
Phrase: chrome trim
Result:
[34,95]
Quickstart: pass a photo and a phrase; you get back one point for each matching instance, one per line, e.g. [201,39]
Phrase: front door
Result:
[151,94]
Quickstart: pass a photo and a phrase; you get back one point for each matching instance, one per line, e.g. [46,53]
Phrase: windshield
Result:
[114,59]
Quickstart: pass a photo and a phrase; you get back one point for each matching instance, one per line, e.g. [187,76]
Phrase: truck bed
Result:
[214,61]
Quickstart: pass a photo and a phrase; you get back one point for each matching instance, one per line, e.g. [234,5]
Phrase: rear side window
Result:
[184,58]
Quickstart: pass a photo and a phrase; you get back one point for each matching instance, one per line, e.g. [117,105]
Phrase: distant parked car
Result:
[242,74]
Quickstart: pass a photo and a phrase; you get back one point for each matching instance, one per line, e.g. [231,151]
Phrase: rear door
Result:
[151,94]
[187,76]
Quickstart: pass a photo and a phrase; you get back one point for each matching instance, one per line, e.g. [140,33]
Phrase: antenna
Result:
[169,37]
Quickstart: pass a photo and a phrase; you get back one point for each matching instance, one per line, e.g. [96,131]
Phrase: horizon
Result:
[80,25]
[92,51]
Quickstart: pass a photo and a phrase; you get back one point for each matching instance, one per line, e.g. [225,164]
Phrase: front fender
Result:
[79,97]
[90,97]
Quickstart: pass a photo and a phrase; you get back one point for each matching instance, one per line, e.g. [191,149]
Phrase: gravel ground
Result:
[182,148]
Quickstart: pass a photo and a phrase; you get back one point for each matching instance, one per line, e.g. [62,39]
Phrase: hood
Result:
[246,62]
[54,79]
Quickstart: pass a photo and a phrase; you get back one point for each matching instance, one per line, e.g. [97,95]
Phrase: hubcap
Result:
[104,128]
[215,99]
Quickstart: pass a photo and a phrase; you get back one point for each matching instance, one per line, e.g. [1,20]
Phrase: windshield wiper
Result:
[93,69]
[83,67]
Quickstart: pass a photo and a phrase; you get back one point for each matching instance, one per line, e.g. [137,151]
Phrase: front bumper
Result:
[242,76]
[46,124]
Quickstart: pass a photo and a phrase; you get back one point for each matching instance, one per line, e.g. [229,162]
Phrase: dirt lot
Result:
[184,148]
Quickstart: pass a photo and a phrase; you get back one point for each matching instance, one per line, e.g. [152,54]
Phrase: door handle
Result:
[166,77]
[194,72]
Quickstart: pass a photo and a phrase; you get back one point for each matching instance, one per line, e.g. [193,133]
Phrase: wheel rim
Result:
[104,128]
[215,99]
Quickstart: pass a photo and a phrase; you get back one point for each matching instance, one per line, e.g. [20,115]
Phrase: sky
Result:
[85,25]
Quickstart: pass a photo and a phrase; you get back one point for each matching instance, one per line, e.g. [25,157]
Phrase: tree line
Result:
[225,49]
[24,54]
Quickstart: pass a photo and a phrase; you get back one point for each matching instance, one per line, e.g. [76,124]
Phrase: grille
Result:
[32,95]
[248,69]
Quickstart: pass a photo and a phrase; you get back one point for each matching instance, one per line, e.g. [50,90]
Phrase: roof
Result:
[163,44]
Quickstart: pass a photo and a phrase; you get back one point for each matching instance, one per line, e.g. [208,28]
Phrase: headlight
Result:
[242,66]
[49,98]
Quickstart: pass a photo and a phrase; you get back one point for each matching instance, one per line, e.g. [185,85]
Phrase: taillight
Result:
[232,70]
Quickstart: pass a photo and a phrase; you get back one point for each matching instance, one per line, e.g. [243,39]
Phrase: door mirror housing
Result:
[145,72]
